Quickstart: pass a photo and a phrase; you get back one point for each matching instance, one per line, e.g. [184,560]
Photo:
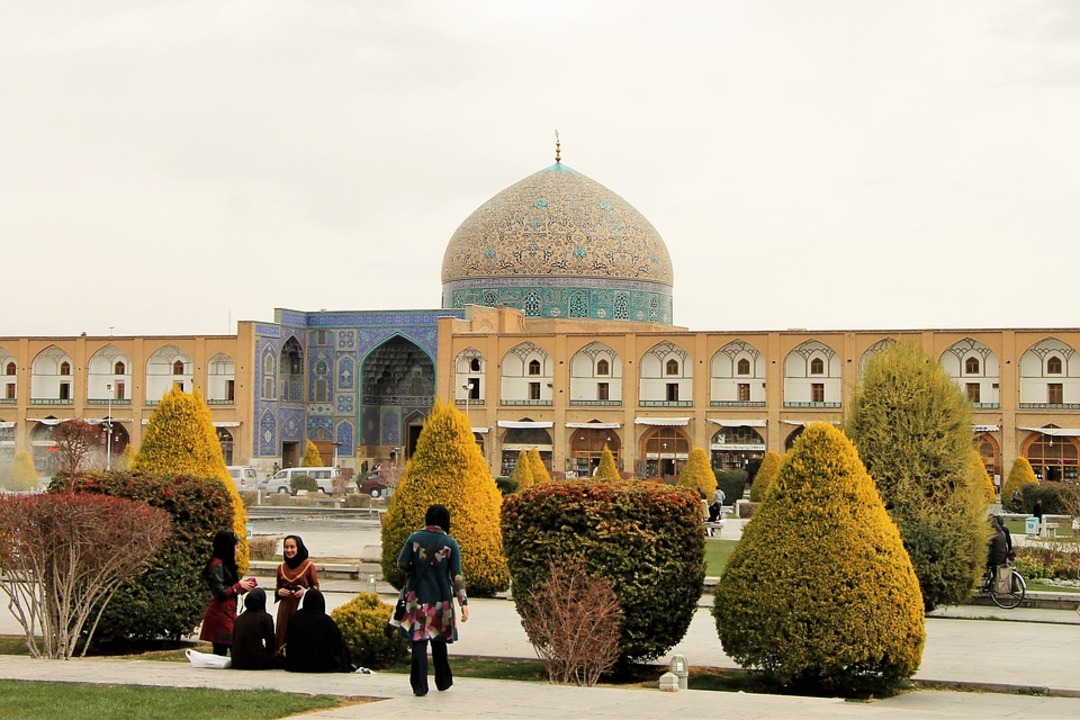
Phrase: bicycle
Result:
[1017,588]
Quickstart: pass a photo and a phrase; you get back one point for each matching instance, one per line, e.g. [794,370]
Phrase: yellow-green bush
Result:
[911,424]
[697,473]
[311,458]
[540,472]
[448,468]
[523,474]
[766,474]
[1020,475]
[607,469]
[180,439]
[21,473]
[979,478]
[820,592]
[361,621]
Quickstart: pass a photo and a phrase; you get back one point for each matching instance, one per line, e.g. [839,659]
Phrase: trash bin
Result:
[1031,525]
[249,526]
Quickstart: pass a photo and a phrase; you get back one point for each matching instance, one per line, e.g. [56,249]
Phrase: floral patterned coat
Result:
[432,561]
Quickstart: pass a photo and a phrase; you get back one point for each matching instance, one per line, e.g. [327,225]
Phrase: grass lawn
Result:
[717,553]
[50,700]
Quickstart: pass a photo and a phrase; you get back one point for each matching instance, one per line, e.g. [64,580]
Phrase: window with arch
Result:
[119,368]
[1053,365]
[10,369]
[817,366]
[743,368]
[65,368]
[178,367]
[474,365]
[672,367]
[602,367]
[534,367]
[971,366]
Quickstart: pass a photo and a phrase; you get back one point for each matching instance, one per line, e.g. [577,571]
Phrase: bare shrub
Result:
[358,501]
[64,555]
[76,440]
[278,499]
[264,547]
[573,621]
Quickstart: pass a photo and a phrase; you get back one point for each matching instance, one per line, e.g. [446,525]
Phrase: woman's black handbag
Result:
[395,619]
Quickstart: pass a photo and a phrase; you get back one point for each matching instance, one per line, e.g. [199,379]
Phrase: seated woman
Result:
[253,635]
[313,642]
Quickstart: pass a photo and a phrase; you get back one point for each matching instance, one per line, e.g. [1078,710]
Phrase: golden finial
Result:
[557,146]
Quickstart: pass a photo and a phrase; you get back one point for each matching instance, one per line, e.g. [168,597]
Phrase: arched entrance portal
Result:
[990,452]
[737,448]
[525,435]
[664,451]
[587,445]
[1053,457]
[397,391]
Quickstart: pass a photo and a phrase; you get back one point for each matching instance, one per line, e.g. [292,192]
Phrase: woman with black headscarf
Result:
[253,635]
[294,577]
[432,561]
[225,586]
[314,643]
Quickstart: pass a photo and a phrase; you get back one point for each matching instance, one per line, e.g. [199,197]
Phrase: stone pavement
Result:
[1017,649]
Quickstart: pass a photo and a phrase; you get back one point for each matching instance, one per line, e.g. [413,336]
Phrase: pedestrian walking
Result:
[431,560]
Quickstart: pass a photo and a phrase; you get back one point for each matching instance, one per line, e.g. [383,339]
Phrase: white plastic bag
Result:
[207,660]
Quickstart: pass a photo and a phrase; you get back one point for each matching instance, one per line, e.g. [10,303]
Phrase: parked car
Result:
[245,476]
[281,482]
[374,485]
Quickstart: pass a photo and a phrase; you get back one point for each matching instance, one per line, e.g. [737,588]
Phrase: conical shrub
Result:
[539,470]
[21,474]
[180,440]
[766,474]
[820,592]
[697,473]
[911,424]
[607,470]
[1020,475]
[312,457]
[523,472]
[448,468]
[978,477]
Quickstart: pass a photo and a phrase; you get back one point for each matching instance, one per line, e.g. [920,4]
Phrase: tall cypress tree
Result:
[447,468]
[912,426]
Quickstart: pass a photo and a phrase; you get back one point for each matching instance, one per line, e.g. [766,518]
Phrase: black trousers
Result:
[418,675]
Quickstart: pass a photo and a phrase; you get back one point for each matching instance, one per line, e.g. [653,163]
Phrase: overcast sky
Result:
[174,167]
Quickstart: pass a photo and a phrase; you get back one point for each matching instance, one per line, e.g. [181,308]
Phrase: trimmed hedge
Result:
[819,592]
[766,476]
[168,600]
[1021,475]
[647,538]
[1057,498]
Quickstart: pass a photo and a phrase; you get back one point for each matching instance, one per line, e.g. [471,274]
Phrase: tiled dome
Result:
[560,244]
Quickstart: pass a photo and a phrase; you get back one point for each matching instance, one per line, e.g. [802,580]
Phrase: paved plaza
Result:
[981,646]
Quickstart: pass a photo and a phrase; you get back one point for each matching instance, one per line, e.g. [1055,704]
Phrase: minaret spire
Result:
[557,146]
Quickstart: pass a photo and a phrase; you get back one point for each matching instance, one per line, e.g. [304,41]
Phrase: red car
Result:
[374,486]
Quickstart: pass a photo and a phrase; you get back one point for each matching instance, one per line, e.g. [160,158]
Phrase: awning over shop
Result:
[986,428]
[594,426]
[525,424]
[664,421]
[46,421]
[480,430]
[7,424]
[807,422]
[738,423]
[1054,432]
[227,424]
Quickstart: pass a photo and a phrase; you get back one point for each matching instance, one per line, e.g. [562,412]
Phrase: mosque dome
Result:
[559,244]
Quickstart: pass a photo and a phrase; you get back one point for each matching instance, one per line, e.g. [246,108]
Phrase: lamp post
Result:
[108,430]
[663,451]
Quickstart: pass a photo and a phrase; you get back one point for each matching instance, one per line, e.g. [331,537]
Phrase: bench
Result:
[717,526]
[1048,530]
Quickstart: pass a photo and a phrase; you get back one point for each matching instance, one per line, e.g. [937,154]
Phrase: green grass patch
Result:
[489,668]
[13,645]
[49,700]
[717,553]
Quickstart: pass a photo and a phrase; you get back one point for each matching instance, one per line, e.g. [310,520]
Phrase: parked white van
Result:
[245,476]
[281,482]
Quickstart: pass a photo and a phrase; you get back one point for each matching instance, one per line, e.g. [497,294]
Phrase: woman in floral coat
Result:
[432,561]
